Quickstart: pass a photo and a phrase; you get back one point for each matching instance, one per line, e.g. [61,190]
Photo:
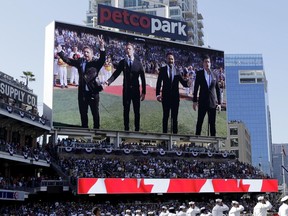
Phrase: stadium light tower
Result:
[166,6]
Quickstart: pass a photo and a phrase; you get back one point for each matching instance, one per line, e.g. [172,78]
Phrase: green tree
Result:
[29,76]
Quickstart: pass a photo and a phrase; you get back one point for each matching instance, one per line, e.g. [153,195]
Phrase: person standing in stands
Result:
[74,77]
[132,69]
[62,68]
[219,208]
[283,209]
[164,211]
[236,209]
[89,86]
[96,211]
[262,206]
[193,210]
[168,80]
[205,212]
[209,99]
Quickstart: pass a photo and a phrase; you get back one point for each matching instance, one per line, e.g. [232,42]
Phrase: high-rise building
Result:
[183,10]
[280,158]
[247,101]
[238,141]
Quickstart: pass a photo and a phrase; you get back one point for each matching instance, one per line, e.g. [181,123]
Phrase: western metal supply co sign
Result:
[141,22]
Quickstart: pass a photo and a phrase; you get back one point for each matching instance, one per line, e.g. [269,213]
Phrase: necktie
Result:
[83,69]
[83,66]
[170,73]
[209,77]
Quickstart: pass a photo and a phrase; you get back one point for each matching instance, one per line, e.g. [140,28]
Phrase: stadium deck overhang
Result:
[18,124]
[118,135]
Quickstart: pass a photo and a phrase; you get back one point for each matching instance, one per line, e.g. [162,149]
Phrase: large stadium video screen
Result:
[151,53]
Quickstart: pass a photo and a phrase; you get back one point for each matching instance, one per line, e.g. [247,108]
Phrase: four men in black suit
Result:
[132,69]
[169,78]
[209,99]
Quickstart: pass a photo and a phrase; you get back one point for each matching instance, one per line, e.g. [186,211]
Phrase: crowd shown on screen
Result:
[151,56]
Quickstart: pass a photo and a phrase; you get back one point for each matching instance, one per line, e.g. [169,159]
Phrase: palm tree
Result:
[29,76]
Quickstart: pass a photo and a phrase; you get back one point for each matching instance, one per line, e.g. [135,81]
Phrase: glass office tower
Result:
[247,101]
[279,154]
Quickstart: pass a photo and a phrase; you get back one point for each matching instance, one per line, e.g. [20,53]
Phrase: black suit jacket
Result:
[208,96]
[170,91]
[95,63]
[130,75]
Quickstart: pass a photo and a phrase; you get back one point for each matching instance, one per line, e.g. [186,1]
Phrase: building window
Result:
[247,144]
[247,134]
[260,80]
[251,76]
[234,142]
[174,12]
[247,80]
[236,152]
[130,3]
[106,2]
[89,19]
[151,13]
[233,131]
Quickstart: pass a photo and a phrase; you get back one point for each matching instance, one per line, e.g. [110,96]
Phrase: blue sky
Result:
[236,27]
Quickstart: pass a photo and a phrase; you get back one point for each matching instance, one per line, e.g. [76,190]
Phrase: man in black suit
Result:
[170,98]
[132,69]
[209,96]
[89,86]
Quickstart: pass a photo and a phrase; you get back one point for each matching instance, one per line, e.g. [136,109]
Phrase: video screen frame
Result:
[152,53]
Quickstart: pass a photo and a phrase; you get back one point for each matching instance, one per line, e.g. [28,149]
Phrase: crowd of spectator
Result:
[34,153]
[147,167]
[136,149]
[152,54]
[25,182]
[31,115]
[136,146]
[21,177]
[142,166]
[119,166]
[114,165]
[118,206]
[77,143]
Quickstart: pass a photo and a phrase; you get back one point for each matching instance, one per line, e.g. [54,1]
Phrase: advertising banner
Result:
[142,23]
[147,186]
